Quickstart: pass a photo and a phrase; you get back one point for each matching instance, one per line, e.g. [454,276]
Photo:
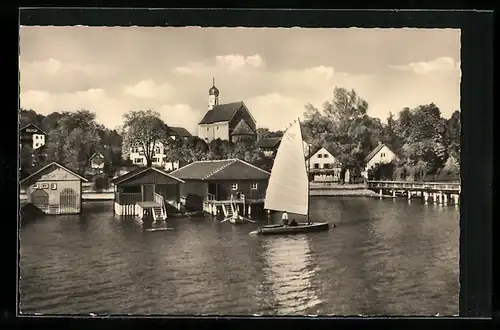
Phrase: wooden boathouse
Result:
[220,186]
[54,189]
[147,191]
[440,192]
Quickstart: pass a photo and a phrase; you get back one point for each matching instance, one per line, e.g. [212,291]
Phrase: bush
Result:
[100,182]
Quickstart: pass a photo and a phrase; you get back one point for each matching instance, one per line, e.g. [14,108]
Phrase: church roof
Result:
[221,113]
[242,129]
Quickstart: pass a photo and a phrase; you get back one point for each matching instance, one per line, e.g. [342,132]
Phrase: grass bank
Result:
[335,189]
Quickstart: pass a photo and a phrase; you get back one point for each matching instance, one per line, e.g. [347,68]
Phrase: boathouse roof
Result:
[271,142]
[179,131]
[49,168]
[226,169]
[141,172]
[221,113]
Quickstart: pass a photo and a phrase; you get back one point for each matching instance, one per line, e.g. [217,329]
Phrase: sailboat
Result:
[288,188]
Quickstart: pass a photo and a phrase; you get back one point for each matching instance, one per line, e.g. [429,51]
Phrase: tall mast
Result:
[307,170]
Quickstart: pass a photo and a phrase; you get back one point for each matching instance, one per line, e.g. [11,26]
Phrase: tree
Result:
[144,129]
[74,140]
[26,160]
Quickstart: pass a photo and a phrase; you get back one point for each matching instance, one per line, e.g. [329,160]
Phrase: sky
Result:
[275,72]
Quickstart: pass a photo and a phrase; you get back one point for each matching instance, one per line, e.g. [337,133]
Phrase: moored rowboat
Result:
[287,230]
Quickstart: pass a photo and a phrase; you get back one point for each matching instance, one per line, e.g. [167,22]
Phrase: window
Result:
[234,186]
[253,186]
[325,156]
[138,160]
[156,160]
[382,155]
[320,155]
[316,165]
[207,129]
[37,144]
[217,127]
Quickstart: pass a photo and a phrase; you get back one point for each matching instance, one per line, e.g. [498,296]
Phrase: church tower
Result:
[213,96]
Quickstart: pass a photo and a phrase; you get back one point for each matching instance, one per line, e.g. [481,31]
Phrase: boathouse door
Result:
[40,199]
[148,193]
[68,201]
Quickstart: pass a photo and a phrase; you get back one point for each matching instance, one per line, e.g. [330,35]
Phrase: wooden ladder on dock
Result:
[159,212]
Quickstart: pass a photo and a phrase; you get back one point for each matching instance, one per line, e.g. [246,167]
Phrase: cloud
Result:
[148,89]
[238,61]
[62,76]
[107,108]
[180,115]
[275,110]
[438,65]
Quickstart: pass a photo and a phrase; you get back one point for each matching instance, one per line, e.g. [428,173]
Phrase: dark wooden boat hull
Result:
[289,230]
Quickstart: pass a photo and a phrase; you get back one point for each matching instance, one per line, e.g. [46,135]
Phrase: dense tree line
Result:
[72,138]
[427,145]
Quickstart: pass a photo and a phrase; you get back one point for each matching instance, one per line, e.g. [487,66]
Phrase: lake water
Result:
[384,257]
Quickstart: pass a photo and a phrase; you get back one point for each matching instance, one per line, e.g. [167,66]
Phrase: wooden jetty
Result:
[439,192]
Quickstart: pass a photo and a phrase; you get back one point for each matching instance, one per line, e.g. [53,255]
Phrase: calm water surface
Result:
[384,257]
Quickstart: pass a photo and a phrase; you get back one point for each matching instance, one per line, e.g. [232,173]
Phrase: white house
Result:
[380,155]
[136,154]
[97,161]
[324,166]
[33,136]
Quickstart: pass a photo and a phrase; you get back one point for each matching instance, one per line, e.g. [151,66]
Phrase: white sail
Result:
[288,188]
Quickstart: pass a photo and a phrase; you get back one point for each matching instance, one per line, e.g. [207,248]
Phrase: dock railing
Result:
[429,186]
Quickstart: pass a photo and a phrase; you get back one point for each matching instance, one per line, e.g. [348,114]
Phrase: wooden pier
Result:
[244,206]
[439,192]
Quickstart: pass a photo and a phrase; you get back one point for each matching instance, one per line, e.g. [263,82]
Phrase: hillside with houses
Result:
[342,142]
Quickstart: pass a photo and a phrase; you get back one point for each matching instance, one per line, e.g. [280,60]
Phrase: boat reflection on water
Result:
[289,274]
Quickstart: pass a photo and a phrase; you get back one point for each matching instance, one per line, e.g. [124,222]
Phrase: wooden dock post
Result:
[393,193]
[249,210]
[409,194]
[426,196]
[380,193]
[434,197]
[445,198]
[455,198]
[440,197]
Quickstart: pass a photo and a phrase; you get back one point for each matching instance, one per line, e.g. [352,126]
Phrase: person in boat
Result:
[284,218]
[293,223]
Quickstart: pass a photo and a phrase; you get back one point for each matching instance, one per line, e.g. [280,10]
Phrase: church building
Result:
[231,121]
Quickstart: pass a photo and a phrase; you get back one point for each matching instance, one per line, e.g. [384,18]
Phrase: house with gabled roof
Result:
[231,121]
[136,154]
[33,136]
[269,145]
[176,132]
[54,189]
[323,166]
[219,181]
[381,154]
